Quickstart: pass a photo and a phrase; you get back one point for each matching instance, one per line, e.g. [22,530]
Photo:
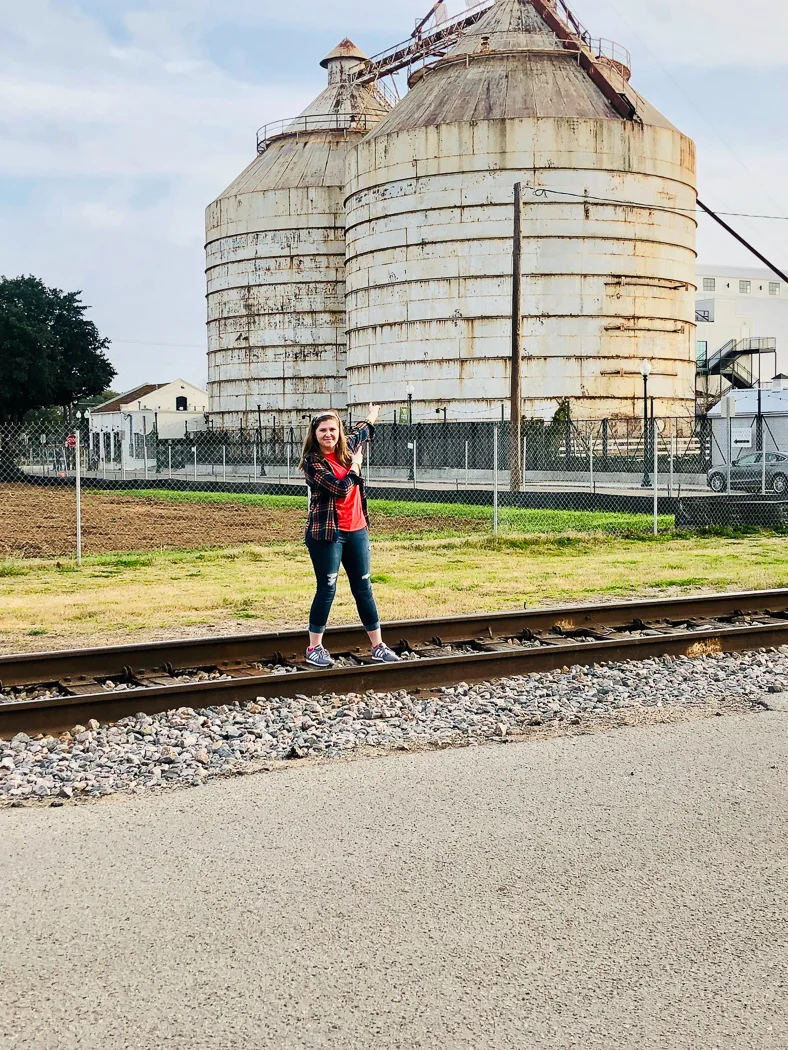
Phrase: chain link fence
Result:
[65,491]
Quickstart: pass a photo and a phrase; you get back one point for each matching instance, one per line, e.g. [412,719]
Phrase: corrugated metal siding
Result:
[429,233]
[275,257]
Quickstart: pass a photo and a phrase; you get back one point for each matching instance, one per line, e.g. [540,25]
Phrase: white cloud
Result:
[701,33]
[124,143]
[99,216]
[346,16]
[754,185]
[91,125]
[708,33]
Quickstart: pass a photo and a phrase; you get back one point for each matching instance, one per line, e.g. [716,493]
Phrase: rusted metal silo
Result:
[275,261]
[608,220]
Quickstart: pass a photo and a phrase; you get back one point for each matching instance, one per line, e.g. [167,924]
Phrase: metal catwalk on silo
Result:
[522,98]
[275,257]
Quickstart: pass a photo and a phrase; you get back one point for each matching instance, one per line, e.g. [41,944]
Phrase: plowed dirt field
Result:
[40,522]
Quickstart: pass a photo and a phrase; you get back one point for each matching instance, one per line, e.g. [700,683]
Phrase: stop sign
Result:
[71,441]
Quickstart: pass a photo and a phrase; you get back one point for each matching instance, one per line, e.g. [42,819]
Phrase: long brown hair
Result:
[312,445]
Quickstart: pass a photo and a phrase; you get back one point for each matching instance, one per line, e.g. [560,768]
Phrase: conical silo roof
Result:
[510,65]
[342,96]
[303,151]
[275,259]
[345,49]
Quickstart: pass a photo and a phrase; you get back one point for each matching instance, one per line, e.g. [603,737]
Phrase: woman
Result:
[337,529]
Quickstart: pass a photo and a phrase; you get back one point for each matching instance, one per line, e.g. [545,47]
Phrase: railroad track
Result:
[49,692]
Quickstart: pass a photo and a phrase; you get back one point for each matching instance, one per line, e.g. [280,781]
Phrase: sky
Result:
[121,120]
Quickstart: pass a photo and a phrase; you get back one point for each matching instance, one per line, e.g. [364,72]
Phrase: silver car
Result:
[747,473]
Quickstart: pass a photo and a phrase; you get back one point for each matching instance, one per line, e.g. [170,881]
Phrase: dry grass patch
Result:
[117,598]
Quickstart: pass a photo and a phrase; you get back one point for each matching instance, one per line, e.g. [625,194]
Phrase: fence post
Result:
[591,460]
[672,463]
[254,461]
[525,461]
[655,440]
[495,479]
[763,463]
[78,451]
[169,457]
[728,456]
[194,450]
[466,464]
[224,463]
[414,462]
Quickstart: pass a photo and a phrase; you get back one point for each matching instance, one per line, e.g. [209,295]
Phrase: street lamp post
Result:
[645,371]
[145,442]
[156,432]
[123,451]
[411,390]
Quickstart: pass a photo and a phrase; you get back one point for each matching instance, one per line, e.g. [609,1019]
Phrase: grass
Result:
[245,499]
[12,568]
[130,596]
[446,519]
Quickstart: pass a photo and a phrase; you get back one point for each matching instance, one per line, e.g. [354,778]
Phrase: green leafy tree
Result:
[50,355]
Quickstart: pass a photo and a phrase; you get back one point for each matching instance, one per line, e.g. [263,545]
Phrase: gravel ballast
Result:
[186,747]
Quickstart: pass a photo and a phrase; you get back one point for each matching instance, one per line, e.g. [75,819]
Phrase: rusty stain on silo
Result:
[275,260]
[609,234]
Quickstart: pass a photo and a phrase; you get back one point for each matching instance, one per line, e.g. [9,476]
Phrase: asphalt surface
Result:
[623,890]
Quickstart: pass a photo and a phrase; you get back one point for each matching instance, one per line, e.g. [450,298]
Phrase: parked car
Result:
[747,473]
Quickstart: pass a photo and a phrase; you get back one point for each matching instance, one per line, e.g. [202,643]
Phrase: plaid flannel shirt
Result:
[325,488]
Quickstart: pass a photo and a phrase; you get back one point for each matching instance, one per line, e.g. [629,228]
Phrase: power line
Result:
[541,191]
[741,240]
[134,342]
[702,208]
[691,102]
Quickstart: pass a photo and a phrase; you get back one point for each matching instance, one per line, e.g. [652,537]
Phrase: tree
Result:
[50,355]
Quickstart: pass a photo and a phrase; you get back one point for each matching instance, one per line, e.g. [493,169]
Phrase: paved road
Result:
[609,892]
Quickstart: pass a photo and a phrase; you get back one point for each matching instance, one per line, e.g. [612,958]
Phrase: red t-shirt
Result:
[350,513]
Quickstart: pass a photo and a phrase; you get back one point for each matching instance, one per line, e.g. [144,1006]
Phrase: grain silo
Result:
[525,96]
[275,261]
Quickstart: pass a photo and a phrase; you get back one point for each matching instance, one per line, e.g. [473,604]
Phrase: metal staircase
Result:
[732,364]
[730,360]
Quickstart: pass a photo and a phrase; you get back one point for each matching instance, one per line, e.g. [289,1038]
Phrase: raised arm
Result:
[365,430]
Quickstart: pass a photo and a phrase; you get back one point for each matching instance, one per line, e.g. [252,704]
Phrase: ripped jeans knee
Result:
[351,550]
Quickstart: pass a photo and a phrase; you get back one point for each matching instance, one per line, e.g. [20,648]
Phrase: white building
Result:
[741,430]
[124,431]
[742,303]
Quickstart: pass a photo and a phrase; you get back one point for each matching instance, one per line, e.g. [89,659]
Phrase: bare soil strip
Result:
[40,522]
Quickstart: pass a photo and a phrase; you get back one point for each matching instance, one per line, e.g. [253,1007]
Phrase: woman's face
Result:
[328,434]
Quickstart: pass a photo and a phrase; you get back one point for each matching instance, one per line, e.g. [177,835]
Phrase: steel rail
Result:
[712,616]
[25,668]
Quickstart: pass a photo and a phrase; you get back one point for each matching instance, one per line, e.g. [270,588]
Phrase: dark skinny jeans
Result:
[350,549]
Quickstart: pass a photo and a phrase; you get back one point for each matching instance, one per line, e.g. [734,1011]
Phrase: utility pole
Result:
[515,449]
